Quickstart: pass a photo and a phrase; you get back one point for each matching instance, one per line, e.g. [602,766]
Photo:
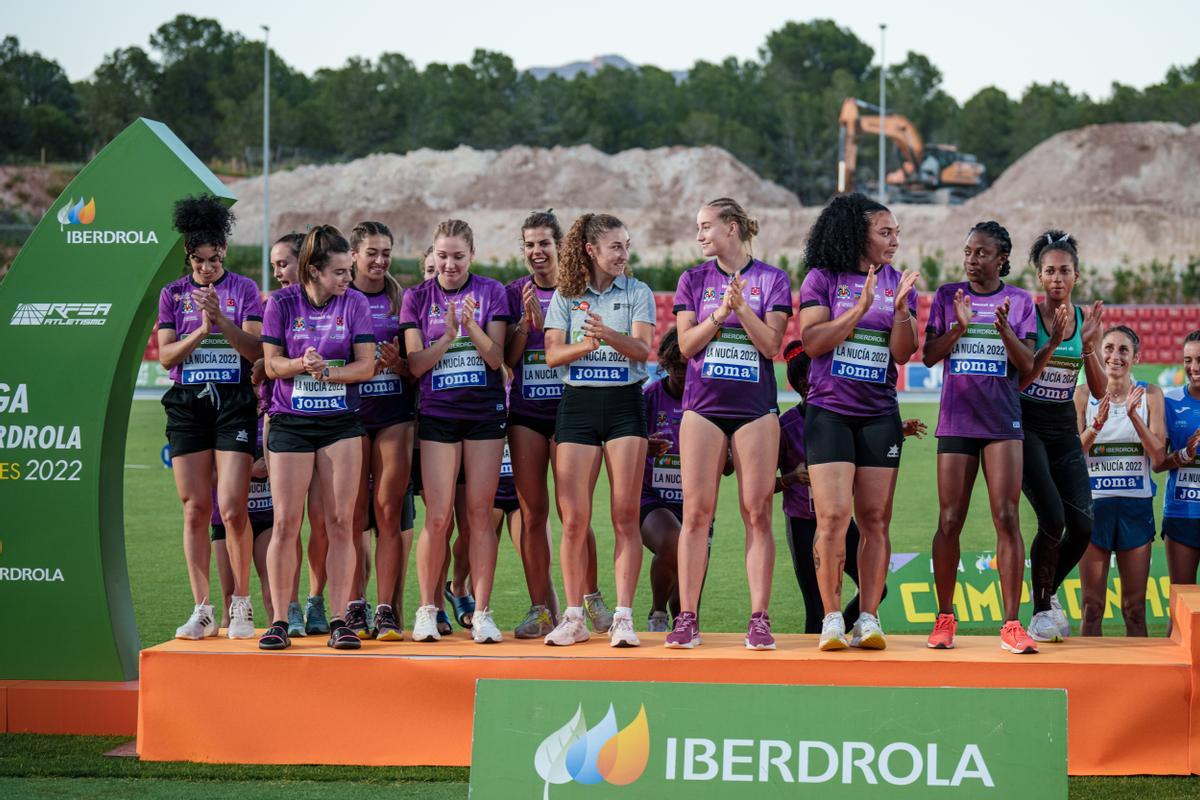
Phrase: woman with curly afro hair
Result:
[857,321]
[209,322]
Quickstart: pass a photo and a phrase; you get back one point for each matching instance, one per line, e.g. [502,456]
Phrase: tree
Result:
[986,126]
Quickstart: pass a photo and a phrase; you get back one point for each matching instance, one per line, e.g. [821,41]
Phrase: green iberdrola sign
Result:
[576,739]
[76,310]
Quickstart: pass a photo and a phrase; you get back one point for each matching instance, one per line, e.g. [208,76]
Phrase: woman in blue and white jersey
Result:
[1181,509]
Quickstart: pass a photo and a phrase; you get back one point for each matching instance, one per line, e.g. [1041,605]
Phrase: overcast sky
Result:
[1009,44]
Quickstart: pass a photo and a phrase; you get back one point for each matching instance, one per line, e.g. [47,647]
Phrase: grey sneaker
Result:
[295,620]
[1044,627]
[538,622]
[597,612]
[833,632]
[658,622]
[1064,624]
[314,615]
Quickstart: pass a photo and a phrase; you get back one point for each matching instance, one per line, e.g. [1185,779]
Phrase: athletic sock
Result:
[623,611]
[575,612]
[279,623]
[383,605]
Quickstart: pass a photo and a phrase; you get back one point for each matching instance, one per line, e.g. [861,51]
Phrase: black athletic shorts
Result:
[506,504]
[211,416]
[1182,530]
[830,437]
[731,425]
[452,431]
[293,433]
[649,508]
[593,415]
[543,427]
[259,525]
[374,430]
[965,445]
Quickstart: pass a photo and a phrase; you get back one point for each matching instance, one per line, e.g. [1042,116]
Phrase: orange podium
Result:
[1133,705]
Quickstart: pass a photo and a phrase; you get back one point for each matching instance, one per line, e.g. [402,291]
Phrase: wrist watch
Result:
[325,373]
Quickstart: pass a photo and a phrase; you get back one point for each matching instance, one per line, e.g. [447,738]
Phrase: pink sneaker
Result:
[758,634]
[687,632]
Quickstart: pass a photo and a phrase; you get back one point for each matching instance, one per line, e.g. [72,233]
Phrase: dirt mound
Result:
[1145,163]
[655,191]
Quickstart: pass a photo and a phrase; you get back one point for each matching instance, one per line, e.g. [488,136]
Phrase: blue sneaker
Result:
[295,620]
[314,613]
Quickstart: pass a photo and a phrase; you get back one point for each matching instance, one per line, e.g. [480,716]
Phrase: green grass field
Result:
[68,766]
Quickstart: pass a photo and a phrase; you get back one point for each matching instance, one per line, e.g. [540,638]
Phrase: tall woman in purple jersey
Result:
[208,327]
[454,328]
[533,405]
[857,321]
[731,312]
[984,331]
[387,409]
[318,345]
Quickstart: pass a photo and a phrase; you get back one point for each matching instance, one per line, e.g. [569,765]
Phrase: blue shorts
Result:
[1122,523]
[1183,530]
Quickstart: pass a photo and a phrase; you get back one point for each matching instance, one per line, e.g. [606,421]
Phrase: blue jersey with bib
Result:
[1183,485]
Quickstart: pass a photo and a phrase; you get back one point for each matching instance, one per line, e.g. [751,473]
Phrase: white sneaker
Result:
[200,624]
[658,622]
[1064,624]
[1044,627]
[621,633]
[571,630]
[483,627]
[241,618]
[425,625]
[833,632]
[867,633]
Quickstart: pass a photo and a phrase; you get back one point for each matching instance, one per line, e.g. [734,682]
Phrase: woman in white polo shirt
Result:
[599,330]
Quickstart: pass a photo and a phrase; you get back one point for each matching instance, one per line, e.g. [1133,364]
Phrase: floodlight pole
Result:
[882,115]
[266,159]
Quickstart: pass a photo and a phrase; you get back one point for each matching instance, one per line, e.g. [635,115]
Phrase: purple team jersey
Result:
[461,385]
[797,499]
[858,377]
[536,388]
[662,481]
[214,360]
[295,324]
[730,377]
[980,393]
[386,399]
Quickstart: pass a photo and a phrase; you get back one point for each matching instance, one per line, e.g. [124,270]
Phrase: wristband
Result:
[325,374]
[1088,353]
[1097,425]
[713,318]
[1183,456]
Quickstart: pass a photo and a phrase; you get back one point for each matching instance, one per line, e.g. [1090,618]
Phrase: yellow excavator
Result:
[928,173]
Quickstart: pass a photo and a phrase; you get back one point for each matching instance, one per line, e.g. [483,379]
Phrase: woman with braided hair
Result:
[1055,471]
[984,331]
[209,323]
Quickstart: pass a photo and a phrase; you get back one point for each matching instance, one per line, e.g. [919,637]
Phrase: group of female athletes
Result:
[353,395]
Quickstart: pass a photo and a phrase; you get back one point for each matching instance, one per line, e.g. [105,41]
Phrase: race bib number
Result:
[461,366]
[862,357]
[980,351]
[731,356]
[666,479]
[314,396]
[1056,384]
[506,463]
[213,361]
[260,496]
[1187,485]
[602,365]
[1119,467]
[383,384]
[539,382]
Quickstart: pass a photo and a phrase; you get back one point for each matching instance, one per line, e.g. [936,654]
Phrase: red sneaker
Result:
[942,637]
[1014,639]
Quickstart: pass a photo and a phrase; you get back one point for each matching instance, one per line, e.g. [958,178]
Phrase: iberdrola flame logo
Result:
[77,213]
[602,754]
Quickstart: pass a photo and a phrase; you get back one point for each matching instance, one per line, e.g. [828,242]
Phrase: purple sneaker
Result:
[758,634]
[687,632]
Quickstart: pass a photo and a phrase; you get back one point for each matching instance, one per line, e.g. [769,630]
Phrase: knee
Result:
[1134,608]
[951,521]
[340,525]
[874,524]
[698,514]
[757,516]
[197,512]
[234,519]
[1007,521]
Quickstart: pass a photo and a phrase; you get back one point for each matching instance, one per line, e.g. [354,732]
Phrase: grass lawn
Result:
[69,766]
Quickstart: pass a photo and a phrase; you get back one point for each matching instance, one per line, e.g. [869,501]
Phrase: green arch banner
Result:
[76,310]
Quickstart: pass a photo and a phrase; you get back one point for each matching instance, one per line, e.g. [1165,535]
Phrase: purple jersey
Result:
[386,399]
[858,377]
[295,324]
[536,388]
[460,385]
[797,499]
[980,394]
[214,360]
[730,377]
[662,481]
